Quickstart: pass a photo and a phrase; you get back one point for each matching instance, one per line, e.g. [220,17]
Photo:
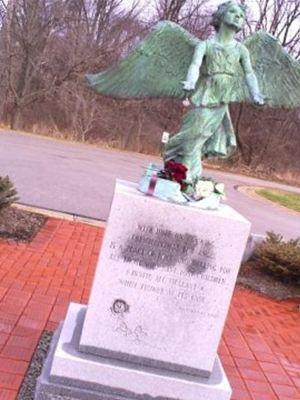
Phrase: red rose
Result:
[176,171]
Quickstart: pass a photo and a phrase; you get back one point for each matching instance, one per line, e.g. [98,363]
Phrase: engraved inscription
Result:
[178,269]
[151,247]
[187,290]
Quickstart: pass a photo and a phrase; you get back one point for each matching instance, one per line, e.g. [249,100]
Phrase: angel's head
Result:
[231,14]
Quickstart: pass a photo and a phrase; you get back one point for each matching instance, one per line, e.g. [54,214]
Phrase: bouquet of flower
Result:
[172,184]
[203,190]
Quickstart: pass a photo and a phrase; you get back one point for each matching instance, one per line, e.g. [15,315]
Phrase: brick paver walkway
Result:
[260,348]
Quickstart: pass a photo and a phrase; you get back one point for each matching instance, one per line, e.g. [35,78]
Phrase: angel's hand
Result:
[259,99]
[186,102]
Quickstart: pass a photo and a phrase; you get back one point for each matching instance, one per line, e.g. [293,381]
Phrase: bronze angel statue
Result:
[208,74]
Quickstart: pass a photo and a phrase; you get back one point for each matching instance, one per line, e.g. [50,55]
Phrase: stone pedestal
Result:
[71,374]
[158,305]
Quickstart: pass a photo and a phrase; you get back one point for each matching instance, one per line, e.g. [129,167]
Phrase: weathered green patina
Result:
[209,74]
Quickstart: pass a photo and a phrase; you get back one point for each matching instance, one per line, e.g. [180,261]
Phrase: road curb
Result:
[60,214]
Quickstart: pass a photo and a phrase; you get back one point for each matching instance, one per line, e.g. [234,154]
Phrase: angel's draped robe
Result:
[207,129]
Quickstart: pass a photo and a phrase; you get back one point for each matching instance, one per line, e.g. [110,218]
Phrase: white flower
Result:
[220,188]
[203,189]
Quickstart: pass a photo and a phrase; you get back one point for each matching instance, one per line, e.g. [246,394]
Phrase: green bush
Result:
[8,193]
[280,258]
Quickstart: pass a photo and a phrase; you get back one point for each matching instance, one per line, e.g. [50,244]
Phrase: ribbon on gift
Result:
[152,184]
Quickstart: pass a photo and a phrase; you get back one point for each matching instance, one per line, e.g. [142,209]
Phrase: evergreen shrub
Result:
[279,258]
[8,193]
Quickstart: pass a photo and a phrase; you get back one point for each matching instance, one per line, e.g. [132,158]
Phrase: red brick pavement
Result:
[260,348]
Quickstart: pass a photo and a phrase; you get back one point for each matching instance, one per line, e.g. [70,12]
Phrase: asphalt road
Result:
[79,179]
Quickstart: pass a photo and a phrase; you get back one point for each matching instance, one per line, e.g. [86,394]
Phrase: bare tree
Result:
[278,17]
[260,144]
[49,42]
[26,31]
[80,108]
[191,14]
[96,33]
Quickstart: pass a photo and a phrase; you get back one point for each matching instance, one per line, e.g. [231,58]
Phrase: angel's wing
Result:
[154,69]
[278,73]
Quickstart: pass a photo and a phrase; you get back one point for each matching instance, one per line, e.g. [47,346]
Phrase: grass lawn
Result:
[287,199]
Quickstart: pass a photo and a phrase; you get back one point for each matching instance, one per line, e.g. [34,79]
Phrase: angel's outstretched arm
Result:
[250,76]
[194,68]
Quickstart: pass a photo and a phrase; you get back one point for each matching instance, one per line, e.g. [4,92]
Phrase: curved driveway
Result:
[79,179]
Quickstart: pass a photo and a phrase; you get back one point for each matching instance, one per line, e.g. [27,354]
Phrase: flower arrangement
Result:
[202,188]
[172,184]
